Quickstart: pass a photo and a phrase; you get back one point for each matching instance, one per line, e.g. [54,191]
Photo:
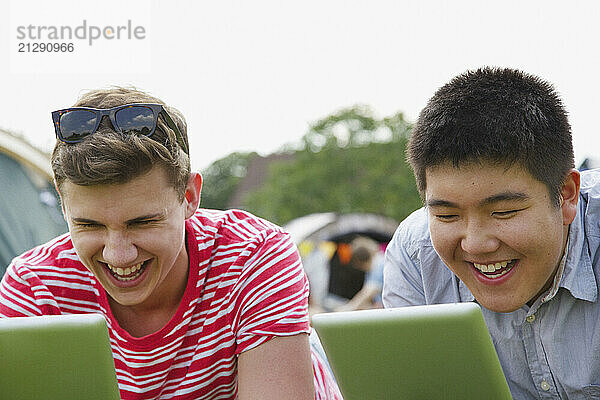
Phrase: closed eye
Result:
[87,225]
[143,223]
[446,217]
[506,214]
[148,220]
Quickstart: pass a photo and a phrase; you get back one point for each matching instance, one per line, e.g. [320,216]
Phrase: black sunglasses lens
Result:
[136,120]
[77,124]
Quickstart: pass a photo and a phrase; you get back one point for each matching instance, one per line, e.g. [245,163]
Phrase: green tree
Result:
[351,161]
[221,179]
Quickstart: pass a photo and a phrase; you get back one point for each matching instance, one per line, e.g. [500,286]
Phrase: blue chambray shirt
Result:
[550,350]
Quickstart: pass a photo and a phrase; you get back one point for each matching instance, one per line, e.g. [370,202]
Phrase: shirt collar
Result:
[578,276]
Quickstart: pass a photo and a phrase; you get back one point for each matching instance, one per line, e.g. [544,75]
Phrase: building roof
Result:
[256,175]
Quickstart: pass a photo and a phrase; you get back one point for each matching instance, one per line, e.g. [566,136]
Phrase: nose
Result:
[479,239]
[119,250]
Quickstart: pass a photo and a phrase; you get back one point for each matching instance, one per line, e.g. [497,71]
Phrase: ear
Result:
[192,194]
[570,196]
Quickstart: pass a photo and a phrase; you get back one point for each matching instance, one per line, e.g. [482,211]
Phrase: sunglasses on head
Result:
[73,124]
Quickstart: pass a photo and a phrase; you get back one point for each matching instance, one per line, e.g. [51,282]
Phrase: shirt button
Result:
[545,386]
[531,318]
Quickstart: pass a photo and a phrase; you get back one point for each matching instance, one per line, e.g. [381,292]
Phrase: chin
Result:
[499,307]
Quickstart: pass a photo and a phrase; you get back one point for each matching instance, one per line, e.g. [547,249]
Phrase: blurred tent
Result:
[589,163]
[30,210]
[323,240]
[334,227]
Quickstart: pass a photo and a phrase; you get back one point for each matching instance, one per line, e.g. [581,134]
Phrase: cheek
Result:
[166,244]
[85,246]
[444,240]
[532,236]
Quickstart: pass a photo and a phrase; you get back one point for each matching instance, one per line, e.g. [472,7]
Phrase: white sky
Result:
[252,76]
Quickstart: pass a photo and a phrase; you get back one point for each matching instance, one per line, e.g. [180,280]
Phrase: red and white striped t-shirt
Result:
[245,285]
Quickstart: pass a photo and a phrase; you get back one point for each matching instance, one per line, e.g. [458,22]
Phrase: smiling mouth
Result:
[129,273]
[495,270]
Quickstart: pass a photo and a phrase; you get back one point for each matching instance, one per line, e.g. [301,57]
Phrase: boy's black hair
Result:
[503,116]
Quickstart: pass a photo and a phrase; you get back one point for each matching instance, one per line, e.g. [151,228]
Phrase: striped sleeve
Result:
[271,296]
[22,294]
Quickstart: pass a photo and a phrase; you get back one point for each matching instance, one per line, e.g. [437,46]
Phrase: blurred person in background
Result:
[356,278]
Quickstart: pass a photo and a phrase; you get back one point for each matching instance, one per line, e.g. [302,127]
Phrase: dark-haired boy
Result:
[508,222]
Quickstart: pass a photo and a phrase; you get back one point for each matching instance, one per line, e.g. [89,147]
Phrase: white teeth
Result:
[488,268]
[123,274]
[491,267]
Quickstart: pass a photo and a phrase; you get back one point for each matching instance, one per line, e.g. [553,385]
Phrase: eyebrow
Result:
[156,216]
[504,196]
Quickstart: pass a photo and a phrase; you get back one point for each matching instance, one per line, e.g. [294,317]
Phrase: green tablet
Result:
[60,357]
[427,352]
